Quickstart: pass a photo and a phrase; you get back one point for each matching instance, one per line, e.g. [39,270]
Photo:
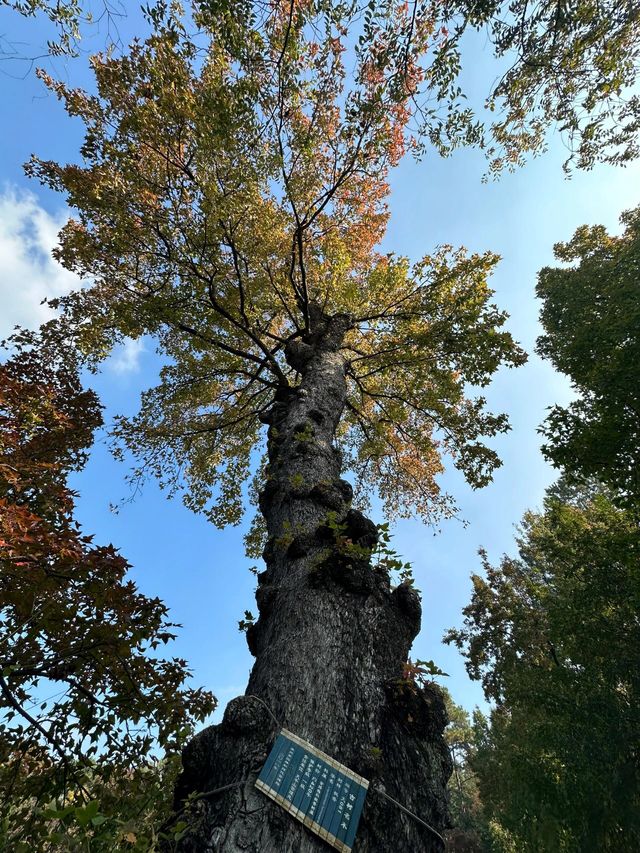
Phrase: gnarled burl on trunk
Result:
[330,644]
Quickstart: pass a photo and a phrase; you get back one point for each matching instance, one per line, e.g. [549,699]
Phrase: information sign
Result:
[318,791]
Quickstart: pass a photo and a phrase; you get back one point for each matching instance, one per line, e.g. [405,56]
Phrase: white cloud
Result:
[28,273]
[126,356]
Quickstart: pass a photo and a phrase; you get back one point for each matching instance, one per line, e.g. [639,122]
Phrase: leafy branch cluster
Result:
[389,559]
[86,698]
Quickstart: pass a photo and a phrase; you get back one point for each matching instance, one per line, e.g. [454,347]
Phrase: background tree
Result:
[84,699]
[591,318]
[465,807]
[475,829]
[553,634]
[230,204]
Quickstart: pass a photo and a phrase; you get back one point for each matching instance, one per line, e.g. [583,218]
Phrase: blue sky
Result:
[201,573]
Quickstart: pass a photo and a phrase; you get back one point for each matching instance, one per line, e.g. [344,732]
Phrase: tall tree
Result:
[231,201]
[591,318]
[553,635]
[230,204]
[83,696]
[464,799]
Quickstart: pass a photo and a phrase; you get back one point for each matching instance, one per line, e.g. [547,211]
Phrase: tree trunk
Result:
[330,644]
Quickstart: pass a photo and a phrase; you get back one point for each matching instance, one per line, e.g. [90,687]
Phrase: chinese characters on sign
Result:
[320,792]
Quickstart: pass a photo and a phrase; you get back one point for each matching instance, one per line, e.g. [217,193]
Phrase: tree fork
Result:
[330,644]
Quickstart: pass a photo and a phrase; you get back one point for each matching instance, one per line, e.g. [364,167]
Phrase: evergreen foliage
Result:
[553,634]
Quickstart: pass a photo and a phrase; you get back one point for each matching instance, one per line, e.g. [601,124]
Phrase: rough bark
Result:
[329,643]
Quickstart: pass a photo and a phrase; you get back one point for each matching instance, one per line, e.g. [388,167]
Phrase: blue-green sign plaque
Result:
[320,792]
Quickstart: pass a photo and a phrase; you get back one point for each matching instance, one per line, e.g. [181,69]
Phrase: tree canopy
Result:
[591,318]
[86,698]
[553,635]
[234,175]
[572,68]
[230,190]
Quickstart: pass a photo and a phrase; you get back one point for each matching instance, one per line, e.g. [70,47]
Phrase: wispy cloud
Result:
[126,357]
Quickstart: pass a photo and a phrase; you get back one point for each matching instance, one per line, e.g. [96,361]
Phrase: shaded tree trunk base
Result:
[390,733]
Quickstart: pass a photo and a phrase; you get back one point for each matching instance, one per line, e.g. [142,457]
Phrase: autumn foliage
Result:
[233,187]
[85,700]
